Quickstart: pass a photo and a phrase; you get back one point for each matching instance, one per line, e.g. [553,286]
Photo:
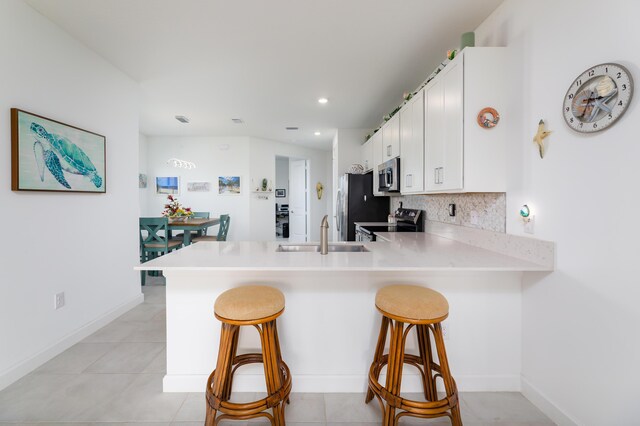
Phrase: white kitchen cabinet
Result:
[460,155]
[444,130]
[376,144]
[391,138]
[366,155]
[412,144]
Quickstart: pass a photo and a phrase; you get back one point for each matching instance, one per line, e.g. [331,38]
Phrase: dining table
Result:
[188,226]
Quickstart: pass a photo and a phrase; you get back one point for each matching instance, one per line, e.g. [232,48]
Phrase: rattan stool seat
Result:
[249,303]
[412,304]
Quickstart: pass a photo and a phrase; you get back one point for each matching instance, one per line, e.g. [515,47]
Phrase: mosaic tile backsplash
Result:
[475,210]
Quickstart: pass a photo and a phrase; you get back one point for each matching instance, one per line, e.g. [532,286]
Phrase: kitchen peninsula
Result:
[329,328]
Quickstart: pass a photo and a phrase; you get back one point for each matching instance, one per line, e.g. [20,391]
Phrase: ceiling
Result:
[268,62]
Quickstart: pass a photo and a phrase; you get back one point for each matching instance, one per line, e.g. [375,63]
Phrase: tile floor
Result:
[114,378]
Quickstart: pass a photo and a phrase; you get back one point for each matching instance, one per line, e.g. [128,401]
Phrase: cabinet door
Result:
[412,143]
[391,138]
[376,144]
[434,135]
[444,131]
[452,164]
[366,155]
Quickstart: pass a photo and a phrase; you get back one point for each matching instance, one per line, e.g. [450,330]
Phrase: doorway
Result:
[292,199]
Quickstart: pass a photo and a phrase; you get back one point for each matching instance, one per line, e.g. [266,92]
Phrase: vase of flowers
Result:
[174,210]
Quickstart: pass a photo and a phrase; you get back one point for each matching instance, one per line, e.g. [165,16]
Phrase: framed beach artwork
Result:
[229,185]
[47,155]
[199,186]
[168,185]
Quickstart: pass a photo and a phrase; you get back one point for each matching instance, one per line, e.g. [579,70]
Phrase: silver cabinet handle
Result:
[388,150]
[408,180]
[435,176]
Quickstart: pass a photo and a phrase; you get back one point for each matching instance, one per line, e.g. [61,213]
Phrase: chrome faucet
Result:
[324,235]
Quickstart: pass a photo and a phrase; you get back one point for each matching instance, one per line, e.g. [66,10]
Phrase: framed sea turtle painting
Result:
[48,155]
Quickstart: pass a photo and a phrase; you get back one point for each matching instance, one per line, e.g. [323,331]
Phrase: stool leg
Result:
[279,355]
[234,348]
[394,370]
[449,384]
[377,356]
[224,367]
[424,344]
[272,372]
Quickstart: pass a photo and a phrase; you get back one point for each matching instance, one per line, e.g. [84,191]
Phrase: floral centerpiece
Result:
[174,210]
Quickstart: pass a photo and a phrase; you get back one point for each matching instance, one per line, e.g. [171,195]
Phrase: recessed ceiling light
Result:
[237,120]
[317,133]
[323,100]
[182,119]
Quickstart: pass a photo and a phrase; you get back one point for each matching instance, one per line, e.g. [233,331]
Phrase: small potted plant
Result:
[174,210]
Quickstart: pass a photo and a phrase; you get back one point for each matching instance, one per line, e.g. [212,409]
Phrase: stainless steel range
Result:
[407,220]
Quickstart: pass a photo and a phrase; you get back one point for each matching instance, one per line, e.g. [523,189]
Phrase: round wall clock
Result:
[598,98]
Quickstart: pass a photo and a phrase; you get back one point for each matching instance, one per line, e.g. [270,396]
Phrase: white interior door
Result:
[298,200]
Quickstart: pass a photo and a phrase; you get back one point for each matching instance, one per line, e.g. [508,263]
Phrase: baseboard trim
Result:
[16,372]
[339,384]
[545,405]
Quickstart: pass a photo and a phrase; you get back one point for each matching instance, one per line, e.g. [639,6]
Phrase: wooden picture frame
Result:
[51,156]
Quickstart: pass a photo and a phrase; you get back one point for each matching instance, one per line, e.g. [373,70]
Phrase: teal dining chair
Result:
[154,241]
[225,219]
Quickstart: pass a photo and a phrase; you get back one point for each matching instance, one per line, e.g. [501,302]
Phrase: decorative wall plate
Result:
[488,118]
[598,97]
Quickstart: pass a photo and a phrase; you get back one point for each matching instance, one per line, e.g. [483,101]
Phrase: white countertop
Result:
[405,251]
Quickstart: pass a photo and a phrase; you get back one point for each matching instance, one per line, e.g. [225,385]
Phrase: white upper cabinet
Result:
[444,124]
[391,138]
[460,155]
[366,156]
[412,145]
[376,144]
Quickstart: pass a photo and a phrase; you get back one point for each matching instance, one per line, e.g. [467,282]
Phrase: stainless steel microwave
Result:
[389,176]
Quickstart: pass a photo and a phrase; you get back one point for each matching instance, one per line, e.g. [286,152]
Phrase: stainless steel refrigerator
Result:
[355,203]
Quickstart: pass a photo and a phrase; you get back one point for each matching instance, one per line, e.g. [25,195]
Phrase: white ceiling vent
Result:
[182,119]
[291,128]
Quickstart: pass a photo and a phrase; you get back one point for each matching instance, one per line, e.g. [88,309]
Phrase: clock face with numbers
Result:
[598,98]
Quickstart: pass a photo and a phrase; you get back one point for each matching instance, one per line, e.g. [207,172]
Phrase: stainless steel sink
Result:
[335,248]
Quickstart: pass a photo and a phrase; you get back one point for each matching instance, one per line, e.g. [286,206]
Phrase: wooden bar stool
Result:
[258,306]
[425,309]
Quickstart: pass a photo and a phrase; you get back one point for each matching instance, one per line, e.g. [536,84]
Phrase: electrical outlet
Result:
[445,330]
[530,224]
[59,301]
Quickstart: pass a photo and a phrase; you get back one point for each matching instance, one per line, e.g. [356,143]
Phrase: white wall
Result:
[251,159]
[282,178]
[143,193]
[580,324]
[83,244]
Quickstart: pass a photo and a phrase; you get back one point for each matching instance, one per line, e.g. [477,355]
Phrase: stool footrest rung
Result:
[253,409]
